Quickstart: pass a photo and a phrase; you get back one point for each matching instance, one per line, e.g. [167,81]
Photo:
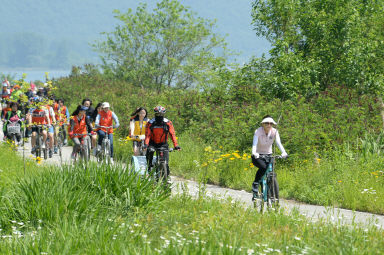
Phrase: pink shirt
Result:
[262,142]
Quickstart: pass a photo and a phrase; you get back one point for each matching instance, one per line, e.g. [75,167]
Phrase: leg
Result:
[101,134]
[76,145]
[149,157]
[93,141]
[135,149]
[262,165]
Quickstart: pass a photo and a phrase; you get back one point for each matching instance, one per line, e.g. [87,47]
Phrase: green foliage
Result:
[167,47]
[317,44]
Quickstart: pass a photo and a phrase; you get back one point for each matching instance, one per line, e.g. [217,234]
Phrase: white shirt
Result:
[262,142]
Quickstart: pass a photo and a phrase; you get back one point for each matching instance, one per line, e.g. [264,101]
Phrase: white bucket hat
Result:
[105,104]
[268,120]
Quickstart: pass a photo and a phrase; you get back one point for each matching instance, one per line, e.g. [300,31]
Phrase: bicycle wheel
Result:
[163,172]
[84,150]
[88,148]
[258,202]
[107,151]
[37,146]
[273,192]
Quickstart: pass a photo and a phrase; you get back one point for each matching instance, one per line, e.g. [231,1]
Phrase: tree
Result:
[167,47]
[321,43]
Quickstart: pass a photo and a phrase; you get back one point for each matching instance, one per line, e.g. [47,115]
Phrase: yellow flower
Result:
[232,158]
[204,164]
[245,169]
[236,155]
[208,149]
[339,181]
[318,160]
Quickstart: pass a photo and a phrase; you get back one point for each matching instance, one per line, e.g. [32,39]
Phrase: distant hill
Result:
[56,34]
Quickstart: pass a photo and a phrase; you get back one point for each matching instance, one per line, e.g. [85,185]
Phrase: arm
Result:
[89,126]
[67,113]
[172,133]
[114,117]
[97,121]
[147,133]
[278,143]
[53,115]
[70,128]
[254,145]
[132,127]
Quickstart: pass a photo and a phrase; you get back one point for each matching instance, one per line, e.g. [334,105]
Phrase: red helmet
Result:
[159,109]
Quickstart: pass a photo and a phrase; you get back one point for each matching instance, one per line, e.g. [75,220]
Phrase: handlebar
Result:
[272,156]
[105,127]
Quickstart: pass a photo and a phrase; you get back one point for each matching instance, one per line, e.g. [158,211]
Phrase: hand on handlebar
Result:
[256,155]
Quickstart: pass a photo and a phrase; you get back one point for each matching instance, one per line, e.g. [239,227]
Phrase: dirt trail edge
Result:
[313,212]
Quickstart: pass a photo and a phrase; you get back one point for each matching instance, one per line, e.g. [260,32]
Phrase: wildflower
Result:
[297,238]
[339,181]
[245,169]
[208,149]
[318,160]
[232,158]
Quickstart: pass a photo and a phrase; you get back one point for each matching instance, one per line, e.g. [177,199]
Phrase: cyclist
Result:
[137,127]
[88,103]
[93,119]
[262,145]
[156,135]
[78,124]
[39,116]
[51,129]
[105,118]
[62,116]
[14,115]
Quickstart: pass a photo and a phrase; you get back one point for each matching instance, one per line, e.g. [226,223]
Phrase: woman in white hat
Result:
[262,145]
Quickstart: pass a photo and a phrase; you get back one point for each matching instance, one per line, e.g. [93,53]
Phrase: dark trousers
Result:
[102,134]
[262,164]
[150,153]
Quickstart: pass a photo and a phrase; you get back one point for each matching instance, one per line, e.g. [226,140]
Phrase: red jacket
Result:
[158,133]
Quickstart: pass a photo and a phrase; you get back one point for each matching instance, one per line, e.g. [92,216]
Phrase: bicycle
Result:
[59,137]
[105,152]
[140,144]
[269,186]
[13,131]
[161,165]
[39,142]
[85,149]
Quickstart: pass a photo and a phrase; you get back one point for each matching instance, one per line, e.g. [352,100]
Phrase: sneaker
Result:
[55,150]
[65,142]
[50,153]
[43,146]
[33,150]
[73,156]
[112,162]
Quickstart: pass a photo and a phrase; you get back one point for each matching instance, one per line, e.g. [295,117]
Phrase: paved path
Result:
[313,212]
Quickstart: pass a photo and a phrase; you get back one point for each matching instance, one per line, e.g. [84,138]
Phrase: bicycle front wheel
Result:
[273,192]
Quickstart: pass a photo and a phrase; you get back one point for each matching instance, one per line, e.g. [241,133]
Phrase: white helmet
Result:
[105,105]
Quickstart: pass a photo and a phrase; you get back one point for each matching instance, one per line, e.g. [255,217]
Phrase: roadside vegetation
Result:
[105,210]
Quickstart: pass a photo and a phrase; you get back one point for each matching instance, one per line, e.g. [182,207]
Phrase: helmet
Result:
[159,109]
[105,104]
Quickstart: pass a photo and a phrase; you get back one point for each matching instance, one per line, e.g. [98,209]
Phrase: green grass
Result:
[106,210]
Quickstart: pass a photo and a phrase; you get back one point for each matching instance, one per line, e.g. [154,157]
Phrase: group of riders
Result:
[98,122]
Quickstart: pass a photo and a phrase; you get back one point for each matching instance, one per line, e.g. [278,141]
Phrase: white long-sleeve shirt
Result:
[262,142]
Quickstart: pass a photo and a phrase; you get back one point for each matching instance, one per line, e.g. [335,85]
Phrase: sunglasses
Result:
[268,123]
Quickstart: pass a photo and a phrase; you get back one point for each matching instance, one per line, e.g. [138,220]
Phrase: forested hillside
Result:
[57,34]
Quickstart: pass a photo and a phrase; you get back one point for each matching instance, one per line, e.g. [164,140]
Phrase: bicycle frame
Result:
[105,141]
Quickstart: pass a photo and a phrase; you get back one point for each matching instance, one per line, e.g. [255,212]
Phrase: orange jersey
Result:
[158,133]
